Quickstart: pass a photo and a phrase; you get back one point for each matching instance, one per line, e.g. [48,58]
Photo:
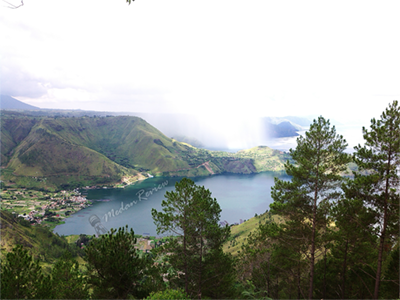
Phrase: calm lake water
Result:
[240,197]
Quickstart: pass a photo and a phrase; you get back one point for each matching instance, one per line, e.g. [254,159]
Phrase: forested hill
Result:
[65,152]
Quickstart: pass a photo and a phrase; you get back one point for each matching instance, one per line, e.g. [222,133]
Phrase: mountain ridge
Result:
[66,152]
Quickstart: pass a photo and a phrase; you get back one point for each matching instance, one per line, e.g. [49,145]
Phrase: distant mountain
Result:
[284,129]
[276,129]
[61,152]
[304,122]
[8,102]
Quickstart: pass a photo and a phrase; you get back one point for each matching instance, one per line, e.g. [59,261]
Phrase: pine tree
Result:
[304,201]
[67,280]
[351,254]
[22,277]
[391,286]
[115,268]
[192,215]
[379,188]
[272,260]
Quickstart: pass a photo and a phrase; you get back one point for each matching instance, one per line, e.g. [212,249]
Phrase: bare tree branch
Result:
[12,6]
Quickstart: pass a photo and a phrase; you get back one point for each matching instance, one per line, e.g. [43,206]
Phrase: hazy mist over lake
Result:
[351,133]
[232,133]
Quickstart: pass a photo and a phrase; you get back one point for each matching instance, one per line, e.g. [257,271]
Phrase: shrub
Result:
[168,294]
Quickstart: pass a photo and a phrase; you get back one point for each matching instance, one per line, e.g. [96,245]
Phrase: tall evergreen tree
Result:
[272,260]
[351,254]
[67,280]
[115,268]
[192,215]
[22,277]
[379,188]
[304,201]
[391,286]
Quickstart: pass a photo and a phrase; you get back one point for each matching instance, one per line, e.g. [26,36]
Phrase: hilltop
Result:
[67,152]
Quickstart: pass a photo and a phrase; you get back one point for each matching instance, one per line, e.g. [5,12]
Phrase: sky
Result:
[224,60]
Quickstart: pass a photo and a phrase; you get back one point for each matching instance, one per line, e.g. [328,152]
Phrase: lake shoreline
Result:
[240,197]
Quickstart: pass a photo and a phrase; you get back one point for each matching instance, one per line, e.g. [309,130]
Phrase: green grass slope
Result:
[128,141]
[41,242]
[240,233]
[265,158]
[13,131]
[46,154]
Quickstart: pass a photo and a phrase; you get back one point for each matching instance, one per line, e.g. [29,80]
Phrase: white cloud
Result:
[224,58]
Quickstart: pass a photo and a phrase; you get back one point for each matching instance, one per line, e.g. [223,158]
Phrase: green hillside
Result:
[66,152]
[240,233]
[265,158]
[41,242]
[13,131]
[128,141]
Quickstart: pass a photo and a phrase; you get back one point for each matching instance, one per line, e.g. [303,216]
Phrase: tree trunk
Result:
[298,282]
[324,292]
[201,265]
[185,258]
[268,278]
[312,252]
[344,271]
[380,254]
[383,231]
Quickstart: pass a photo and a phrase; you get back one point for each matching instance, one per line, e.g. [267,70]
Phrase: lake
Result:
[239,196]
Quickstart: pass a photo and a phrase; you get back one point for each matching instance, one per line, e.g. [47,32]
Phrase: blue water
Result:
[239,196]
